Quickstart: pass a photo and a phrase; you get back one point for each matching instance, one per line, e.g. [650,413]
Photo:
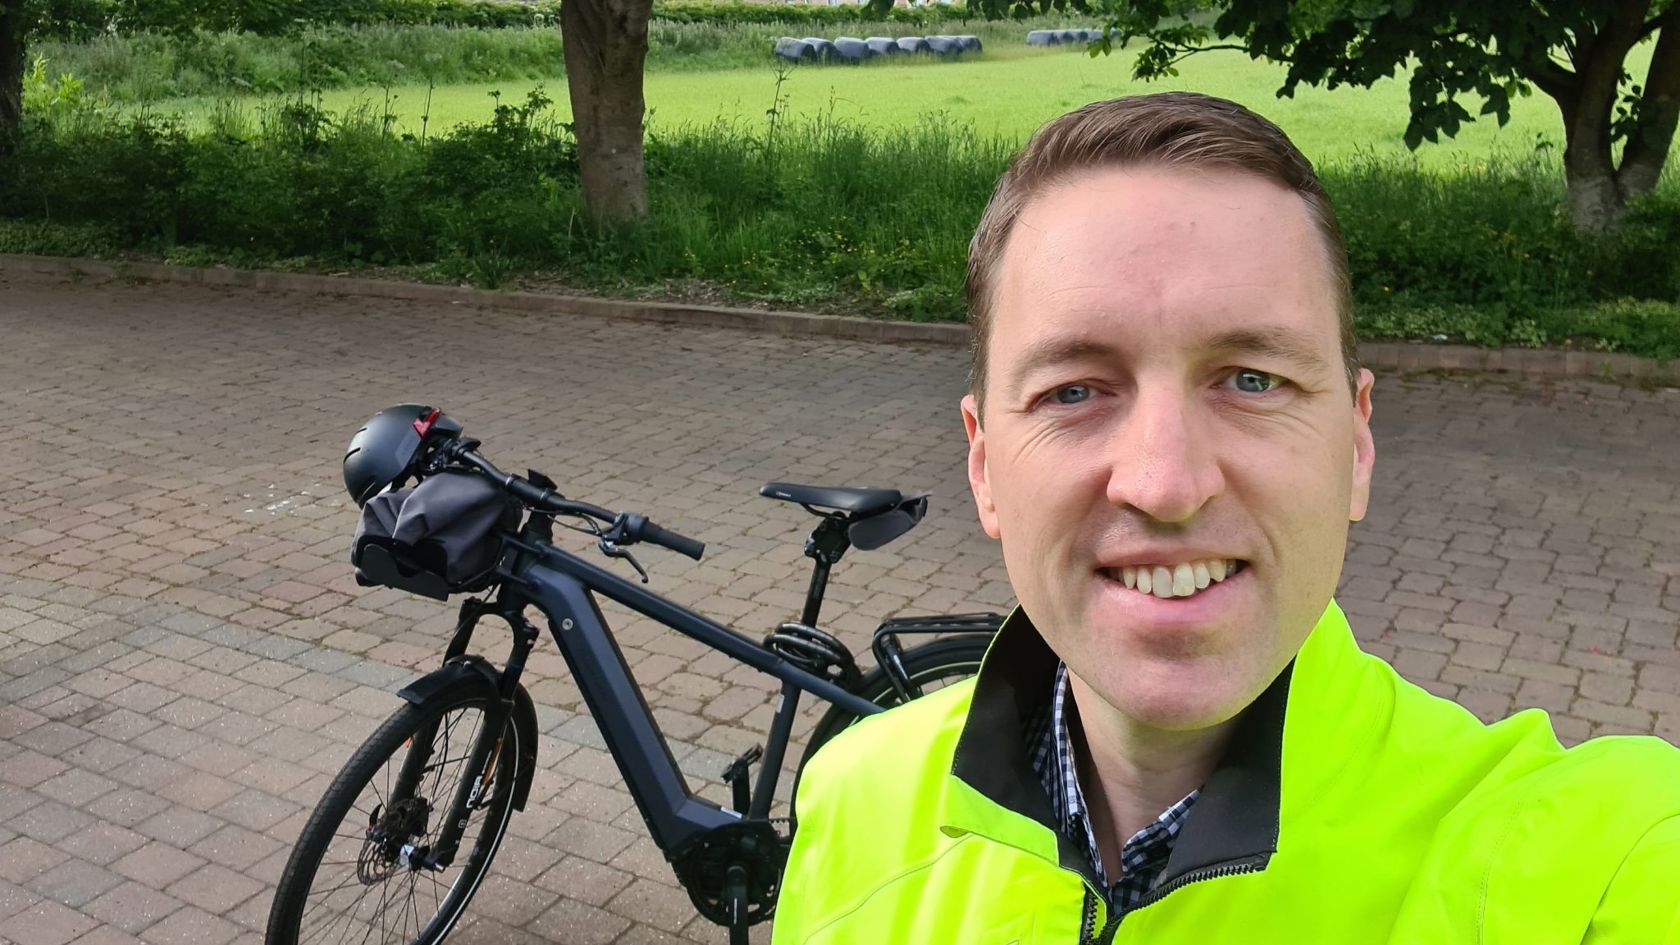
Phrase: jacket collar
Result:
[1238,817]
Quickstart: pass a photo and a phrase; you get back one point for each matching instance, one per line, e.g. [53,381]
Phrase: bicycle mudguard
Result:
[477,672]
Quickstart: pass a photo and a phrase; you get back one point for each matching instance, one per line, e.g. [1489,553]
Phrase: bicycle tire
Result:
[335,828]
[949,659]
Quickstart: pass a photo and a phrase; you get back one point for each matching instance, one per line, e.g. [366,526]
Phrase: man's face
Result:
[1133,417]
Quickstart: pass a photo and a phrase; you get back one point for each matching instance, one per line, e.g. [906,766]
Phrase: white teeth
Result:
[1163,581]
[1184,581]
[1181,580]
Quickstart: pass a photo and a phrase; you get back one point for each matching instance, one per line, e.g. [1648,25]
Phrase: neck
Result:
[1130,773]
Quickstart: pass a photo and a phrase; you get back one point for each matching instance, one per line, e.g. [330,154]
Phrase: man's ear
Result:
[978,476]
[1364,448]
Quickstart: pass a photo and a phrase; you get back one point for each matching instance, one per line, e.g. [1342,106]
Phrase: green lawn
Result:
[1008,91]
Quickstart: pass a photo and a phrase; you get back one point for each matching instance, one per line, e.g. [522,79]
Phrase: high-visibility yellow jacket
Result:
[1351,808]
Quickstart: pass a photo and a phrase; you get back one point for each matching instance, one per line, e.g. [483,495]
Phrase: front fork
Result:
[486,747]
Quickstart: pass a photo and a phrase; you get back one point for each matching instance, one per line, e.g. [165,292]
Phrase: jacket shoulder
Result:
[904,740]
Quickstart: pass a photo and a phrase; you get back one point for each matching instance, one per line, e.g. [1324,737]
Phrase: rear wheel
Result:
[350,878]
[928,666]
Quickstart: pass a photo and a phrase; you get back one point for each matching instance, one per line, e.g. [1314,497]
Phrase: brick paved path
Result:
[184,659]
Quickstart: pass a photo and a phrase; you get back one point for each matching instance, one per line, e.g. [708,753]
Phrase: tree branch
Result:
[1550,77]
[1658,22]
[1185,52]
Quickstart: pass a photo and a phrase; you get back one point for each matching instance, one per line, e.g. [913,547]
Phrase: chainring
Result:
[754,845]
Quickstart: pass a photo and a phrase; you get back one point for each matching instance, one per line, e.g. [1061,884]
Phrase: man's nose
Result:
[1163,458]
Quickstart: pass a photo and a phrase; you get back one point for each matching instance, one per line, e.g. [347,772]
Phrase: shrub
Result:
[151,66]
[81,19]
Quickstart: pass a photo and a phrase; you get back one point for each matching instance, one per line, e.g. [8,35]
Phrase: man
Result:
[1174,738]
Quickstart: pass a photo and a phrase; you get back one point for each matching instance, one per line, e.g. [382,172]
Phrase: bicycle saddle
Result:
[861,503]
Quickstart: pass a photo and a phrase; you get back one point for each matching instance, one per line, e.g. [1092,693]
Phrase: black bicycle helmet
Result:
[384,450]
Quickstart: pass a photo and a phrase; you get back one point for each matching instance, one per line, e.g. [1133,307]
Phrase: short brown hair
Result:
[1167,129]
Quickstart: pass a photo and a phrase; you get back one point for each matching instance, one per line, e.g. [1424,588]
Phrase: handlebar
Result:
[634,528]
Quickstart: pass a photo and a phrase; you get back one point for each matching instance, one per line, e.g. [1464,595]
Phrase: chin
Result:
[1173,700]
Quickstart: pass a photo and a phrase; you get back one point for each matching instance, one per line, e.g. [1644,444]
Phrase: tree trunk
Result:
[11,72]
[1648,144]
[605,45]
[1588,173]
[1587,99]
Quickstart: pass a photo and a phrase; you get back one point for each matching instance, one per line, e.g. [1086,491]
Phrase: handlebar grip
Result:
[681,544]
[527,492]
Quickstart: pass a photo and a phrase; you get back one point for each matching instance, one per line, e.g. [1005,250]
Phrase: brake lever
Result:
[613,551]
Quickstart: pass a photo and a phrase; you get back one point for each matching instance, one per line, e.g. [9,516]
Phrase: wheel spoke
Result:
[357,893]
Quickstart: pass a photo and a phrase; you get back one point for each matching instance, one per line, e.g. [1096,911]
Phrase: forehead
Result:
[1159,261]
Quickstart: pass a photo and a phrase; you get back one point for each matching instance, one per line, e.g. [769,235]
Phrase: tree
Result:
[605,44]
[1574,51]
[11,71]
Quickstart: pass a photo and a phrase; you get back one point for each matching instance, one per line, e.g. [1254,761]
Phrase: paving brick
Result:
[45,923]
[75,882]
[255,810]
[660,905]
[102,843]
[215,888]
[106,935]
[132,907]
[199,791]
[59,738]
[1544,672]
[28,768]
[126,807]
[15,898]
[190,926]
[50,821]
[148,772]
[586,838]
[23,859]
[579,923]
[1605,688]
[1618,718]
[158,862]
[585,880]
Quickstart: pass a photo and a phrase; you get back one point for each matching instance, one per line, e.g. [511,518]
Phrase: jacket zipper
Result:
[1088,933]
[1089,924]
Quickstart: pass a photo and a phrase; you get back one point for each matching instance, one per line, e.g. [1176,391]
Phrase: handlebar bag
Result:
[449,528]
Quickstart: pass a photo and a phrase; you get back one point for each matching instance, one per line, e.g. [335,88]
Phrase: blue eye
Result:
[1249,373]
[1072,394]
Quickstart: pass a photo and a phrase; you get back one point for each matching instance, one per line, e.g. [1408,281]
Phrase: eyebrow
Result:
[1283,344]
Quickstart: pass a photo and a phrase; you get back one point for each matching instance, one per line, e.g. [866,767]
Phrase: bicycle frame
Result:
[562,585]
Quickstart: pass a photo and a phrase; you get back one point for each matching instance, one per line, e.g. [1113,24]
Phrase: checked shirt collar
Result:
[1144,855]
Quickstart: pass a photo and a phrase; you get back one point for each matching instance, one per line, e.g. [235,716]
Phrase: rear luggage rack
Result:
[887,650]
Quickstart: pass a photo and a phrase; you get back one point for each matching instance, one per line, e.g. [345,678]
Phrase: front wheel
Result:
[357,875]
[928,666]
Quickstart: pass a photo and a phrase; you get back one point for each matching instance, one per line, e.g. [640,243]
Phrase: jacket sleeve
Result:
[1642,904]
[797,904]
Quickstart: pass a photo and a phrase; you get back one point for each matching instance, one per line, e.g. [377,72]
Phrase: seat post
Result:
[825,546]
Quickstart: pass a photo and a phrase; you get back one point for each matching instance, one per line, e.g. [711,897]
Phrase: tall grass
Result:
[811,212]
[144,67]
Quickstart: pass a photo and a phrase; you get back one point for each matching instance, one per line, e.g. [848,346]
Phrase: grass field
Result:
[1007,92]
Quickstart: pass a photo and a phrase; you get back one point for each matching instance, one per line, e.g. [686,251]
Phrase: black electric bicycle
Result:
[403,837]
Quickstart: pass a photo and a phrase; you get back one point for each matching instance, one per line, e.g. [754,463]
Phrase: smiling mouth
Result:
[1180,582]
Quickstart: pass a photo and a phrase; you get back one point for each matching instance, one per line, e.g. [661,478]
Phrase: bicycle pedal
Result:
[736,776]
[738,767]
